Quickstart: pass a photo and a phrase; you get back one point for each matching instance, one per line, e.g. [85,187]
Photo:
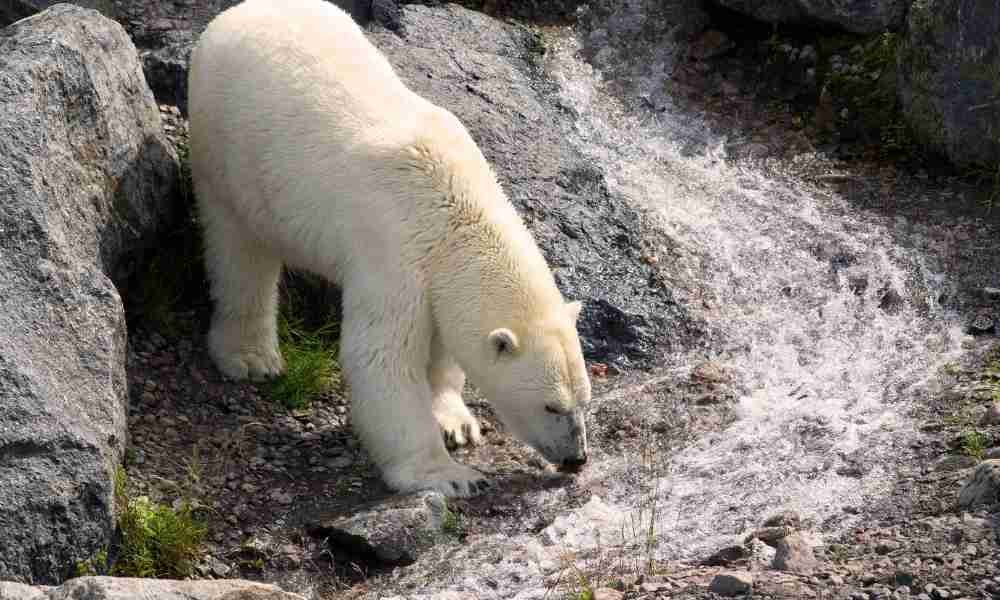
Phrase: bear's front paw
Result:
[458,426]
[239,361]
[448,477]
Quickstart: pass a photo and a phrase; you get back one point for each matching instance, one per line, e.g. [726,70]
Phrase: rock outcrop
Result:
[85,175]
[949,78]
[871,16]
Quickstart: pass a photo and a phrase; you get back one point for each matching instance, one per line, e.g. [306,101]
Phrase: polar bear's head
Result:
[537,381]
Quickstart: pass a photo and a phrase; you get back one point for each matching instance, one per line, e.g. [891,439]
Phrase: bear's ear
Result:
[503,341]
[573,309]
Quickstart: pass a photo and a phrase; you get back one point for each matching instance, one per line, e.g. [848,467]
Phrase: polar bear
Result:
[308,151]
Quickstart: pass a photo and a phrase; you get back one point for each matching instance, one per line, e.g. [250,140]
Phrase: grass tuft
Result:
[156,540]
[974,444]
[310,360]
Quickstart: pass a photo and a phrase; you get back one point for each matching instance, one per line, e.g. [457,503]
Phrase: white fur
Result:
[307,150]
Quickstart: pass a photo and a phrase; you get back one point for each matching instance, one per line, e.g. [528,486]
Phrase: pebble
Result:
[731,583]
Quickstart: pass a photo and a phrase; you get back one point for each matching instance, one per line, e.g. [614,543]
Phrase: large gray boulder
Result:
[858,16]
[949,78]
[85,176]
[124,588]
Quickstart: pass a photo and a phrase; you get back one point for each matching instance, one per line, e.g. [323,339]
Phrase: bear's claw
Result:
[451,479]
[458,426]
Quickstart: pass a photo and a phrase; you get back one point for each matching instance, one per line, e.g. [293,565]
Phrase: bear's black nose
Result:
[573,464]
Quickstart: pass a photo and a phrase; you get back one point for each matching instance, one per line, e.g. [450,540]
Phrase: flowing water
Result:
[828,325]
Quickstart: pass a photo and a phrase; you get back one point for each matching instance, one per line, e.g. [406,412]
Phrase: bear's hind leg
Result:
[243,339]
[458,425]
[384,355]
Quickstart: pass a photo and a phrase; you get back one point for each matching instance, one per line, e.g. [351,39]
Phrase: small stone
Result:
[217,567]
[795,555]
[340,462]
[788,518]
[992,415]
[983,487]
[607,594]
[731,583]
[886,546]
[598,370]
[955,463]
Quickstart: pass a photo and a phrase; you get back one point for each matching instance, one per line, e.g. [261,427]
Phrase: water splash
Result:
[827,323]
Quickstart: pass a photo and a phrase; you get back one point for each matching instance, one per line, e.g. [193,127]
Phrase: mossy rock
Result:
[949,78]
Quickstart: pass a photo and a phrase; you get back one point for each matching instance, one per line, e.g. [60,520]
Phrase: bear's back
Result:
[302,57]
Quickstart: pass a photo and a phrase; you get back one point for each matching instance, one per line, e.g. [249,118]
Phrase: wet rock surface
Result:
[859,17]
[388,532]
[949,77]
[86,179]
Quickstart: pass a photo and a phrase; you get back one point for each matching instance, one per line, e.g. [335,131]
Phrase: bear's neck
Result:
[492,258]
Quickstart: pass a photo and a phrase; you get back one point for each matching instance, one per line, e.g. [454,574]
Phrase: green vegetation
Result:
[153,540]
[451,523]
[869,92]
[310,353]
[974,444]
[93,566]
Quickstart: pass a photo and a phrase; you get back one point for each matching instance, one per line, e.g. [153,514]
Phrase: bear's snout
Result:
[573,464]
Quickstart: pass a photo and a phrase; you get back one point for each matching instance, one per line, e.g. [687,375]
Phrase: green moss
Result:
[98,565]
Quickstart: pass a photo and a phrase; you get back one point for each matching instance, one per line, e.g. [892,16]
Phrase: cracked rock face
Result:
[85,176]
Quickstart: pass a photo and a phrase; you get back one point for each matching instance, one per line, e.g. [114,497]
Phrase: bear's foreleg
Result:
[385,349]
[458,425]
[243,339]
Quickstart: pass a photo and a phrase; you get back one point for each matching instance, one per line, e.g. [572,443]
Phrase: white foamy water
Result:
[828,325]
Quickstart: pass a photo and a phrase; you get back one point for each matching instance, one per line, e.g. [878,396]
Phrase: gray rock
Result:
[483,71]
[872,16]
[731,583]
[949,74]
[85,177]
[788,518]
[393,531]
[124,588]
[795,555]
[607,594]
[983,487]
[992,414]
